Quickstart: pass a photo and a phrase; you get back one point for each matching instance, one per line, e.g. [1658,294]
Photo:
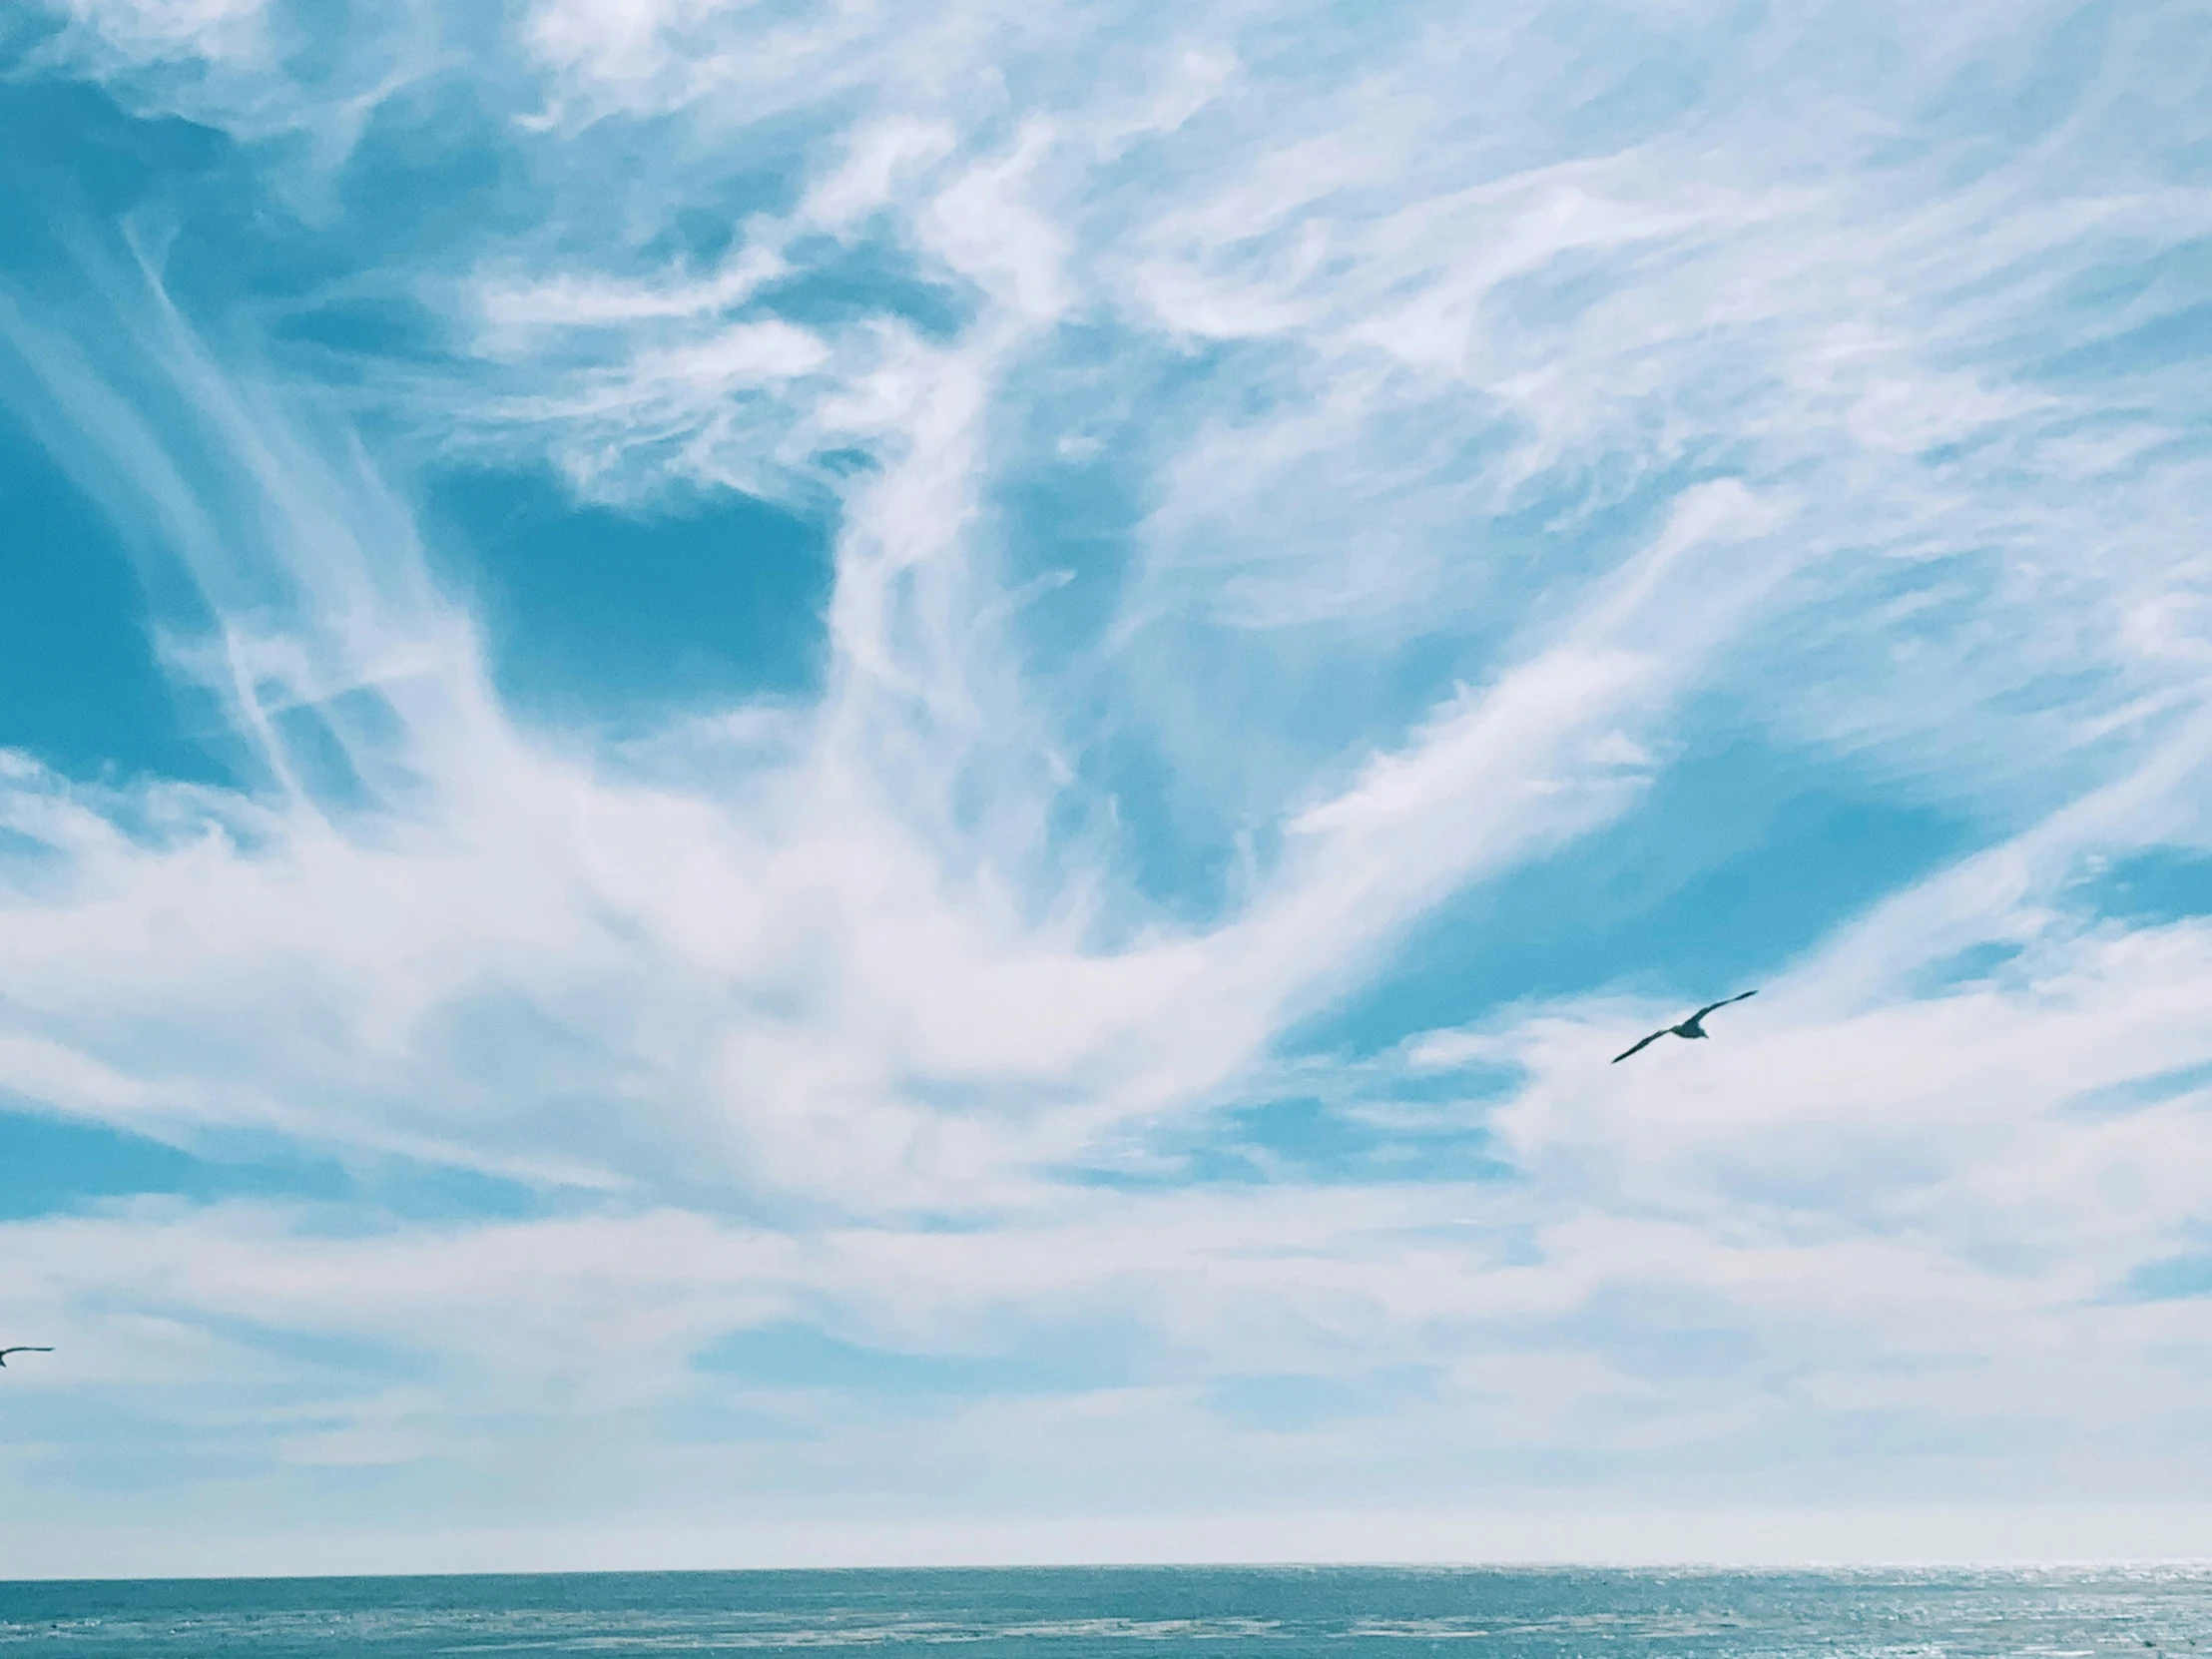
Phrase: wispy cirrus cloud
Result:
[1310,516]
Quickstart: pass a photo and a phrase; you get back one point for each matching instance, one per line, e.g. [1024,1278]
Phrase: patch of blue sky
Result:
[33,868]
[432,183]
[2164,278]
[72,162]
[2171,1279]
[53,1165]
[708,1423]
[1740,858]
[1661,1335]
[429,181]
[358,328]
[1074,476]
[2156,885]
[2129,322]
[82,684]
[310,296]
[1304,1140]
[437,182]
[842,282]
[795,1356]
[320,760]
[311,1353]
[99,1447]
[1367,523]
[1979,964]
[622,619]
[88,182]
[102,599]
[1652,81]
[2150,1089]
[433,170]
[1287,1403]
[1196,816]
[685,186]
[2153,345]
[1066,523]
[2009,105]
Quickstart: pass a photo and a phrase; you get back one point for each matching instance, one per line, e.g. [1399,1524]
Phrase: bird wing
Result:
[1722,1003]
[1646,1044]
[5,1351]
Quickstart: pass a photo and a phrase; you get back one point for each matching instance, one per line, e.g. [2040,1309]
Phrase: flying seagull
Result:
[5,1351]
[1688,1028]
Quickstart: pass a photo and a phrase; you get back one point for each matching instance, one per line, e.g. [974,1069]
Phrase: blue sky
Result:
[845,783]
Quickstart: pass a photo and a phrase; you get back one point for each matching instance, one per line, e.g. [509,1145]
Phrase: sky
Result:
[808,781]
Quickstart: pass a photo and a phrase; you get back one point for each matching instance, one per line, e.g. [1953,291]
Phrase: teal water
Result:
[1093,1613]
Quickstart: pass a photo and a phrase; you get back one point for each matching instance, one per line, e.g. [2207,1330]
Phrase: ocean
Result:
[1094,1613]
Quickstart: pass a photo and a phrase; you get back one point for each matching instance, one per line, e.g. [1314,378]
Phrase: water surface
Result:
[1097,1613]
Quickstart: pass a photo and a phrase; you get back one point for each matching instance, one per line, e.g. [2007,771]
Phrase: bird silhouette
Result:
[1691,1027]
[5,1351]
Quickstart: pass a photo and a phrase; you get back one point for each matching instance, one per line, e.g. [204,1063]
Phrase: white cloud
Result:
[219,31]
[879,159]
[980,226]
[801,1016]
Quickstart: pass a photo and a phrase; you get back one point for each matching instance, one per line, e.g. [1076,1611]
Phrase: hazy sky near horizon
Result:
[815,765]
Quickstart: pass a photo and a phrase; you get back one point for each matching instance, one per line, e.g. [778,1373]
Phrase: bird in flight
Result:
[5,1351]
[1690,1027]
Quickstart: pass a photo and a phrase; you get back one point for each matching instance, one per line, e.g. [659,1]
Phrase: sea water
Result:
[1093,1613]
